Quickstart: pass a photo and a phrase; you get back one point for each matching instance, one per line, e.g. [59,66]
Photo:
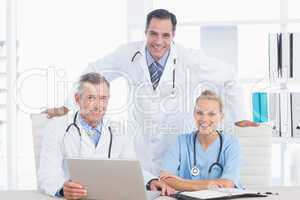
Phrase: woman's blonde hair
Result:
[210,95]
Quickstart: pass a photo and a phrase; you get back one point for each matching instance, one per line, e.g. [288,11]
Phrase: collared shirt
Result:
[93,133]
[179,160]
[161,61]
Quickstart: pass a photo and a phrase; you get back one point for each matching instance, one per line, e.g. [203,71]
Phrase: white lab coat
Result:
[154,117]
[57,145]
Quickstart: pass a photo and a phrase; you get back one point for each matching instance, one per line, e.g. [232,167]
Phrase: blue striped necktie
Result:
[155,70]
[94,135]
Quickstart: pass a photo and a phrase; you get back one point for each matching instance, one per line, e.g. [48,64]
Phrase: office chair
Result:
[39,122]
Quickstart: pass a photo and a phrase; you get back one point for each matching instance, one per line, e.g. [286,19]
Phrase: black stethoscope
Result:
[79,133]
[173,93]
[195,170]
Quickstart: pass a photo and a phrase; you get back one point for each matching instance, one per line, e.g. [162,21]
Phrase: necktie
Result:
[155,70]
[94,135]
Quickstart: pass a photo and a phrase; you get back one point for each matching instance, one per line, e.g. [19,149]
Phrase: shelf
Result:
[2,43]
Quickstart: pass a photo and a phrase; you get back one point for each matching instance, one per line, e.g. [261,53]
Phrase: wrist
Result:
[149,183]
[211,184]
[201,184]
[60,193]
[65,109]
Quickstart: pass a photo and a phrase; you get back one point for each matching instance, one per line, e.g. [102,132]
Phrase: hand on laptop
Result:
[73,190]
[156,185]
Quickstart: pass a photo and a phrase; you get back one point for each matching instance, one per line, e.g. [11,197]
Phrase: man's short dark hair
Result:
[162,14]
[93,78]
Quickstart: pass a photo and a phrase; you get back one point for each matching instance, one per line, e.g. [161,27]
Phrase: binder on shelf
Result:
[260,107]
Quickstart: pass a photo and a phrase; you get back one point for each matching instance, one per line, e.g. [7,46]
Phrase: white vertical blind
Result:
[11,116]
[57,41]
[2,93]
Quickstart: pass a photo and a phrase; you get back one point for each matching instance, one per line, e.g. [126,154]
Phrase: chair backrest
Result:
[39,122]
[256,147]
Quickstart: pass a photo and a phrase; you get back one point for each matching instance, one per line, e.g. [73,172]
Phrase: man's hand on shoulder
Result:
[246,123]
[56,112]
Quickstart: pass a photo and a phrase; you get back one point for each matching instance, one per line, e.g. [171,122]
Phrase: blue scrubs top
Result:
[179,160]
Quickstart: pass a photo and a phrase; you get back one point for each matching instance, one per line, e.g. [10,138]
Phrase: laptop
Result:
[110,179]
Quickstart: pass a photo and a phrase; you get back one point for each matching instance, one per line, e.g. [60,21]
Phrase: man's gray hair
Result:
[93,78]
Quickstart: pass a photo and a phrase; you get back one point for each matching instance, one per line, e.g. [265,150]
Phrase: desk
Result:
[284,193]
[24,194]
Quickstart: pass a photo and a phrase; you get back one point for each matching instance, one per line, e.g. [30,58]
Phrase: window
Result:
[189,36]
[213,10]
[294,27]
[253,50]
[2,22]
[293,8]
[2,94]
[57,41]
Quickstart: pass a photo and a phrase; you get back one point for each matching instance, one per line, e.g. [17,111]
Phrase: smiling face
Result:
[207,115]
[159,36]
[93,101]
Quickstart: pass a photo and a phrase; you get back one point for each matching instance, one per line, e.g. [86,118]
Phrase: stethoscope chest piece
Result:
[195,171]
[173,94]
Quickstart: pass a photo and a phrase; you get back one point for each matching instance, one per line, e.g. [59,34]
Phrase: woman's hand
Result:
[165,175]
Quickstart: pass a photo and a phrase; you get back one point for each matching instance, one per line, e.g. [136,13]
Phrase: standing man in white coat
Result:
[163,79]
[85,134]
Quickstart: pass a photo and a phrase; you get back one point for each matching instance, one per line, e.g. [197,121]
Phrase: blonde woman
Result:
[206,157]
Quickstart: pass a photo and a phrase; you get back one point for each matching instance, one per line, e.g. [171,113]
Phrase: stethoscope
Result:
[173,92]
[79,133]
[195,170]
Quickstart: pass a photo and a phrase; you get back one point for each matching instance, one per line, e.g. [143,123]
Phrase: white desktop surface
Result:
[284,193]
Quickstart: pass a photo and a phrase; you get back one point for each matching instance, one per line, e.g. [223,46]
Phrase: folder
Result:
[260,107]
[215,194]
